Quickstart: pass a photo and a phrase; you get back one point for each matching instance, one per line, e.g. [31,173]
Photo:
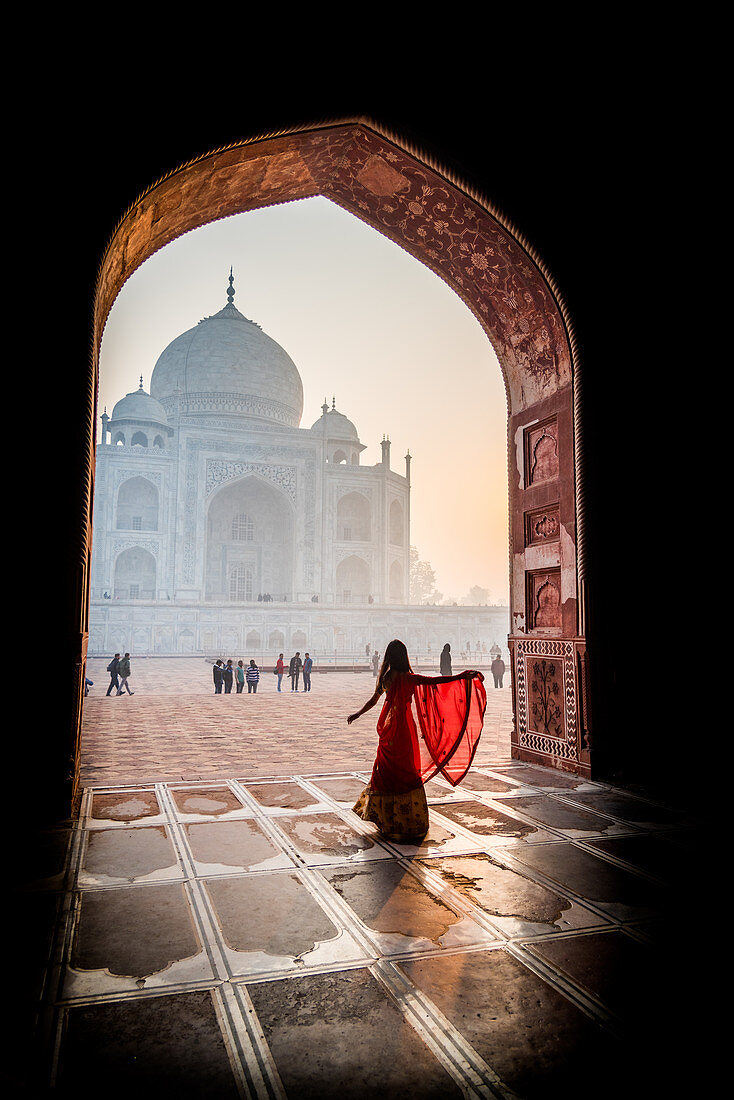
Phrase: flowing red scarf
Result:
[450,714]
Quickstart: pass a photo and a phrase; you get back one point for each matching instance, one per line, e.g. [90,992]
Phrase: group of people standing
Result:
[296,667]
[228,675]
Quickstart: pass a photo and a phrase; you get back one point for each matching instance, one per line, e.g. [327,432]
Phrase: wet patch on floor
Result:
[127,936]
[221,847]
[399,910]
[125,806]
[484,820]
[207,802]
[346,789]
[281,796]
[327,838]
[275,914]
[128,855]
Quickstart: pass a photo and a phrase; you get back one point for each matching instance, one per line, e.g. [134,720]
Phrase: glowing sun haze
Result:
[366,323]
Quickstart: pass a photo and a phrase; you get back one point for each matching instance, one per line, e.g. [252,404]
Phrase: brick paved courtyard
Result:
[173,727]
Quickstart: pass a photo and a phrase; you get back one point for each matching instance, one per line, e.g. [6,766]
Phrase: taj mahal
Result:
[223,526]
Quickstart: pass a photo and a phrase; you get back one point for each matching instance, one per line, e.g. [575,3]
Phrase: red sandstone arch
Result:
[456,232]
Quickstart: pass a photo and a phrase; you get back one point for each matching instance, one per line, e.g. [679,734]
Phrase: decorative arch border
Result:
[223,473]
[424,207]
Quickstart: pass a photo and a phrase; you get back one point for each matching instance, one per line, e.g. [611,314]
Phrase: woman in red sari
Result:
[428,724]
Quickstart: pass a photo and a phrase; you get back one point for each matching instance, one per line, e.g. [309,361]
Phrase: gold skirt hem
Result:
[399,817]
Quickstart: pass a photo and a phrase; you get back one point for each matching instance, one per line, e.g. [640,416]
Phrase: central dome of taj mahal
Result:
[227,366]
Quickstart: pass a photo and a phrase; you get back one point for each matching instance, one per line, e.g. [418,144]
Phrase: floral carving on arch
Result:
[372,175]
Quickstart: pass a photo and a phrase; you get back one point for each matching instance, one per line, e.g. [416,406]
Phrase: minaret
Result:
[386,451]
[407,467]
[105,421]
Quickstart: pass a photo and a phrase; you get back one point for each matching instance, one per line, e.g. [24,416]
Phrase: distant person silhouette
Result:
[498,671]
[446,660]
[112,668]
[307,666]
[228,677]
[253,676]
[124,670]
[294,670]
[218,677]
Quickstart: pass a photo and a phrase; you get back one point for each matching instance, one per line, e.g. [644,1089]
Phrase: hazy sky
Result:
[364,322]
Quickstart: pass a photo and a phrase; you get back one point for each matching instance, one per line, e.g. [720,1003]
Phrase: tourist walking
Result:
[280,670]
[253,675]
[307,666]
[239,673]
[228,677]
[445,663]
[123,669]
[498,671]
[218,676]
[112,668]
[294,670]
[450,714]
[375,663]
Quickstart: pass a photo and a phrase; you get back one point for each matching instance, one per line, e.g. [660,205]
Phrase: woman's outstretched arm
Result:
[467,674]
[368,706]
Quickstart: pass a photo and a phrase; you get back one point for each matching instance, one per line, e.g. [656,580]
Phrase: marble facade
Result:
[220,524]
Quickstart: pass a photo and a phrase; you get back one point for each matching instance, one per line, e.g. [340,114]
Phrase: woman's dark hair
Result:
[395,659]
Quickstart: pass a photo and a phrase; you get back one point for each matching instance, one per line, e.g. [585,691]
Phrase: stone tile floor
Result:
[216,930]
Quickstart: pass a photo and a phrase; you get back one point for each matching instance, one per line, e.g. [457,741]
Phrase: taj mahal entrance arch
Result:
[462,238]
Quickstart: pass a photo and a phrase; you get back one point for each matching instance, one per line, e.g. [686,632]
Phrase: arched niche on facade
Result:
[137,505]
[298,640]
[397,581]
[135,574]
[276,639]
[253,641]
[431,212]
[354,518]
[250,524]
[396,524]
[139,439]
[353,580]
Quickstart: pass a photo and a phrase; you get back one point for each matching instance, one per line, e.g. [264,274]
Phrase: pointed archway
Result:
[457,233]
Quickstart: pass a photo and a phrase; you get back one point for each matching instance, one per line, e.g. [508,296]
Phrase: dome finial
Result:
[141,381]
[230,291]
[333,404]
[325,407]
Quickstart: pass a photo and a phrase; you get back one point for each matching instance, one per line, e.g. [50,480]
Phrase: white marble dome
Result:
[140,408]
[227,366]
[337,425]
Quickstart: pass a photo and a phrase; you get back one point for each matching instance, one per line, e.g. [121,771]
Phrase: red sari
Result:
[449,711]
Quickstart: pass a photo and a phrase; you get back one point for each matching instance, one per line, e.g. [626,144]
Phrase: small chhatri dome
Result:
[226,366]
[336,424]
[139,407]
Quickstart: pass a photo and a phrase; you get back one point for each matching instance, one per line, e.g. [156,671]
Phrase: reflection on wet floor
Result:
[507,951]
